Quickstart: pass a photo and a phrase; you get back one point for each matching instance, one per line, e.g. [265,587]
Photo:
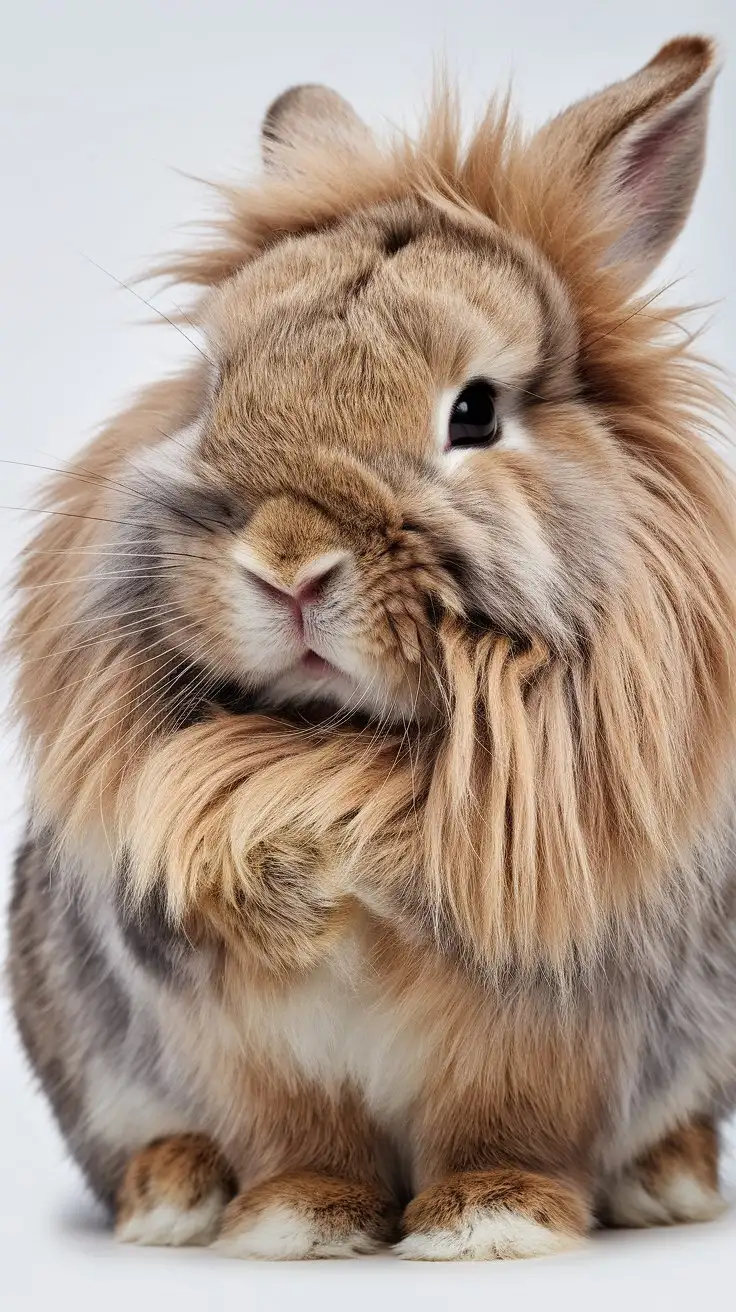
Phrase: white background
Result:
[101,102]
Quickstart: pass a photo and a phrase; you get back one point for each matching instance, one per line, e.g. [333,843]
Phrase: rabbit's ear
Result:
[638,148]
[306,117]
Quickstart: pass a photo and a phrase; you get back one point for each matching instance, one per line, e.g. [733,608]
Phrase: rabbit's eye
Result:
[473,419]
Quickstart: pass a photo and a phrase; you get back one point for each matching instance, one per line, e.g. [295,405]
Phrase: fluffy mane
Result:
[555,798]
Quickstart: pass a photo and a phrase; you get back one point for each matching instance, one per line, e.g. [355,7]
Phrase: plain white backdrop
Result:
[105,105]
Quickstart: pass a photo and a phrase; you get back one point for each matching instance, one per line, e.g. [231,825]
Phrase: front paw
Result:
[486,1215]
[284,905]
[305,1216]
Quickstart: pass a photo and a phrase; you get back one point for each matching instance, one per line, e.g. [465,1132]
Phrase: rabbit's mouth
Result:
[315,682]
[316,665]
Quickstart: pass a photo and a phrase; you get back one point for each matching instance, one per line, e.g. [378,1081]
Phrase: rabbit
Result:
[376,678]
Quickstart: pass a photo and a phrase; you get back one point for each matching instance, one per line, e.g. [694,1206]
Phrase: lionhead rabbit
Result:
[377,680]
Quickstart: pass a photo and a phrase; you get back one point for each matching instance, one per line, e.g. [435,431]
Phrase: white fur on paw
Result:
[484,1236]
[679,1198]
[172,1226]
[281,1234]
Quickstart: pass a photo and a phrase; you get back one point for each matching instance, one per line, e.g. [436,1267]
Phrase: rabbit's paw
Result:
[287,907]
[306,1215]
[484,1215]
[672,1183]
[173,1193]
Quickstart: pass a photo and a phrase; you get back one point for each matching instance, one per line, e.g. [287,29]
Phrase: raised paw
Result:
[306,1215]
[173,1193]
[484,1215]
[673,1183]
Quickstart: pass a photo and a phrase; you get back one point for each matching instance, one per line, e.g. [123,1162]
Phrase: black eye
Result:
[473,421]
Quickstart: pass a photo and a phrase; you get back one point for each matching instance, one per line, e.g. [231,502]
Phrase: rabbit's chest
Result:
[345,1027]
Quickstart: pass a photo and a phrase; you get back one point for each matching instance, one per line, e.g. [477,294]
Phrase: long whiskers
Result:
[70,624]
[150,574]
[165,716]
[96,519]
[163,554]
[126,287]
[75,683]
[93,479]
[127,631]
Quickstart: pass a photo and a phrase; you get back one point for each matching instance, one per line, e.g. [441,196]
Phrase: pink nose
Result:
[296,601]
[308,590]
[306,594]
[312,589]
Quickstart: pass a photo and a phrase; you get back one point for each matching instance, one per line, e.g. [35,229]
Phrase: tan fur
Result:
[510,798]
[336,1209]
[647,777]
[676,1180]
[549,1202]
[692,1147]
[181,1172]
[449,1048]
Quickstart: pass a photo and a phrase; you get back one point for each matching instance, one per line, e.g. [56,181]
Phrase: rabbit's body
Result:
[376,675]
[355,1071]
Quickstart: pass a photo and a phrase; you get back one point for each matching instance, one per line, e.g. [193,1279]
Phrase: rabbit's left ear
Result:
[308,117]
[638,148]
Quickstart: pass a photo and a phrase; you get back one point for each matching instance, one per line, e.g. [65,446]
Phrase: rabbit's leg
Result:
[501,1213]
[173,1192]
[673,1182]
[307,1215]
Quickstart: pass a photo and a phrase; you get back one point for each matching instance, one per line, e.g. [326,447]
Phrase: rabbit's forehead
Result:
[368,323]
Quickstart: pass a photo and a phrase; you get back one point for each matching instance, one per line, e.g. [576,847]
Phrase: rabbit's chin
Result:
[316,682]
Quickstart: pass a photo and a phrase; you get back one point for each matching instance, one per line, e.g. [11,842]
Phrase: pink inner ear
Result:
[651,157]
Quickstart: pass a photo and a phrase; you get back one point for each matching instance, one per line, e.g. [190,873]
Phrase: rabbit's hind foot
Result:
[173,1193]
[672,1183]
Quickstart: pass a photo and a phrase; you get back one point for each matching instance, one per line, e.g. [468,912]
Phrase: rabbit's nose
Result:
[308,588]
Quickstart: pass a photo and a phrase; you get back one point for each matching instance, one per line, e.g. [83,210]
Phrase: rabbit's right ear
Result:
[637,150]
[308,117]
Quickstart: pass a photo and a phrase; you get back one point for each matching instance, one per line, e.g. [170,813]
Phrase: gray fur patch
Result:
[156,944]
[94,975]
[72,1009]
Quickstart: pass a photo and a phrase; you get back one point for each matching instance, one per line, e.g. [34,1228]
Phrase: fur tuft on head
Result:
[559,615]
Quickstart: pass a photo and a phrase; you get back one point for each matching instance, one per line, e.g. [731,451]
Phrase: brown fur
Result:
[561,728]
[551,1203]
[336,1209]
[692,1148]
[676,1179]
[181,1172]
[512,803]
